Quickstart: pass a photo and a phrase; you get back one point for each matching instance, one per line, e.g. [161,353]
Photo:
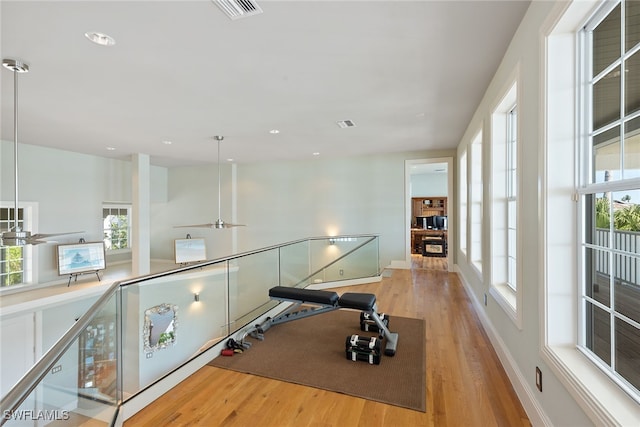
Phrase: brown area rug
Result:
[311,352]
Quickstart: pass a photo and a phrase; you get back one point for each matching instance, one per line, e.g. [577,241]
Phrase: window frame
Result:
[588,187]
[463,202]
[476,202]
[111,206]
[603,401]
[29,257]
[7,225]
[503,132]
[512,196]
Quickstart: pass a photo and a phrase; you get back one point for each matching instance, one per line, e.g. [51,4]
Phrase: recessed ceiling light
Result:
[100,38]
[274,131]
[316,154]
[111,148]
[167,142]
[229,160]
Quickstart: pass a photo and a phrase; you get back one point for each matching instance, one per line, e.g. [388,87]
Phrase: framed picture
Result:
[77,258]
[190,250]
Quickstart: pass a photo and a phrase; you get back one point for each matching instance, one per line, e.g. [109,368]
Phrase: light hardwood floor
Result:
[466,385]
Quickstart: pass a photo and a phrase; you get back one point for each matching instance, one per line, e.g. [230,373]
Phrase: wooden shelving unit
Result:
[426,206]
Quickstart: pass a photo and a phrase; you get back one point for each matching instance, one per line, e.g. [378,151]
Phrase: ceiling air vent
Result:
[236,9]
[346,124]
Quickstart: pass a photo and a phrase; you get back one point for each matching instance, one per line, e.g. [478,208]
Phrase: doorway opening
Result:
[429,213]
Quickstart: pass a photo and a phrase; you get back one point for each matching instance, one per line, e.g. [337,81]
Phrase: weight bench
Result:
[323,302]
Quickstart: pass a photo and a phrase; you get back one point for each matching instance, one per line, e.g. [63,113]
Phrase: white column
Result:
[140,216]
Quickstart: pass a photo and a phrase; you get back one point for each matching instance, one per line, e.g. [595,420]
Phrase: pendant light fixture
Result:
[16,236]
[219,222]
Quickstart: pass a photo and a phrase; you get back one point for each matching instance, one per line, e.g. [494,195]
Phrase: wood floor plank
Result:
[466,385]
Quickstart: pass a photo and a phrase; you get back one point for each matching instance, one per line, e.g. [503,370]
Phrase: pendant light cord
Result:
[15,150]
[219,139]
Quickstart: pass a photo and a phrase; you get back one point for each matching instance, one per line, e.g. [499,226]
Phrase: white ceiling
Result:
[408,73]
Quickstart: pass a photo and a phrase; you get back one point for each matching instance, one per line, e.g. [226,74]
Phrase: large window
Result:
[11,257]
[504,207]
[512,194]
[463,202]
[475,212]
[117,226]
[609,188]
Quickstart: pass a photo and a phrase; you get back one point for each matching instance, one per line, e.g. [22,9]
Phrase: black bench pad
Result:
[304,295]
[364,302]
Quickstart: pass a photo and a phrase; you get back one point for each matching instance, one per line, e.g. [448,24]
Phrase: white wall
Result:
[521,347]
[69,189]
[286,201]
[429,185]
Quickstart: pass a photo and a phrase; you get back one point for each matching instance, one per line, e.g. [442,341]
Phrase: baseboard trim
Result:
[525,393]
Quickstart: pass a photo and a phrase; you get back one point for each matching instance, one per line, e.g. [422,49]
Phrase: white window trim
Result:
[464,201]
[120,205]
[506,297]
[475,249]
[601,399]
[30,214]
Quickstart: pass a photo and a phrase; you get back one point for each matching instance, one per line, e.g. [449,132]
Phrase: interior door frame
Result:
[451,205]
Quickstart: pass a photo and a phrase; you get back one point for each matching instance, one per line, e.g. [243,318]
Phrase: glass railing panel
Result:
[250,278]
[347,258]
[295,265]
[170,319]
[81,386]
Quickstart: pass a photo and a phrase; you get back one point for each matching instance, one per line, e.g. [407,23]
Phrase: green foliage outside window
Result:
[12,266]
[626,218]
[116,233]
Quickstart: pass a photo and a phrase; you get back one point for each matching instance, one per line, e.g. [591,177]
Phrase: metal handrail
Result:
[14,398]
[337,259]
[23,388]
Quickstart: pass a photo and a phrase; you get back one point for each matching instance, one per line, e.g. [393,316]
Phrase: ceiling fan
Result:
[16,236]
[219,222]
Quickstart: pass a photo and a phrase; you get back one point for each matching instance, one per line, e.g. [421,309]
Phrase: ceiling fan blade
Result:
[21,238]
[37,242]
[40,236]
[218,224]
[227,225]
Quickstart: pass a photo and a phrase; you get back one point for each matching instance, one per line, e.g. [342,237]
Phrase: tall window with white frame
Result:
[476,202]
[463,202]
[512,193]
[117,226]
[12,262]
[504,205]
[609,192]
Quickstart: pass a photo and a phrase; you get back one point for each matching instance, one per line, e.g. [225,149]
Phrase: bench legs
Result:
[391,337]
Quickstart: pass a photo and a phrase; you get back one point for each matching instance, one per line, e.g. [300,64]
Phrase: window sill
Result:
[477,267]
[506,298]
[603,401]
